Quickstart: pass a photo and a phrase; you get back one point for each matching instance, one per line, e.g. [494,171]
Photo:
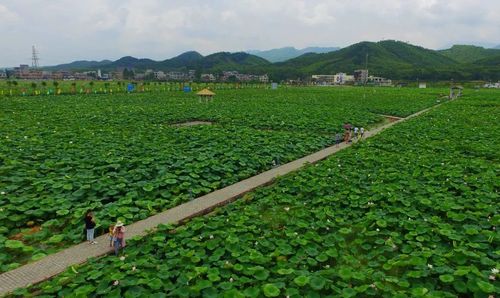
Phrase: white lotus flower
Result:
[378,230]
[134,268]
[231,279]
[287,208]
[3,192]
[211,236]
[116,282]
[430,266]
[373,286]
[256,243]
[492,277]
[495,271]
[122,258]
[71,142]
[327,266]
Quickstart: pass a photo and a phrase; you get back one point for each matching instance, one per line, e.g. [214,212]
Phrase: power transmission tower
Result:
[34,58]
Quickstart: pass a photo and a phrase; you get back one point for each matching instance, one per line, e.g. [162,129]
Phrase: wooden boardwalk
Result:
[56,263]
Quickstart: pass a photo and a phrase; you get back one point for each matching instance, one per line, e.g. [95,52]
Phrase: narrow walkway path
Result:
[56,263]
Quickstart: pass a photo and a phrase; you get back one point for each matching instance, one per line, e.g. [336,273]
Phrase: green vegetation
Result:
[121,156]
[469,54]
[389,58]
[411,212]
[392,59]
[26,88]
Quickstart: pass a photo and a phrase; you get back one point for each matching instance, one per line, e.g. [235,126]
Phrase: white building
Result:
[422,85]
[341,78]
[208,77]
[379,81]
[324,79]
[492,85]
[3,74]
[264,78]
[159,75]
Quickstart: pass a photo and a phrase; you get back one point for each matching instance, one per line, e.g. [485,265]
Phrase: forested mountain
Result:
[389,58]
[286,53]
[468,53]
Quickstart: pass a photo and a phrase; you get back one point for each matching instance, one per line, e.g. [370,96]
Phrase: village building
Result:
[379,81]
[361,76]
[208,77]
[160,75]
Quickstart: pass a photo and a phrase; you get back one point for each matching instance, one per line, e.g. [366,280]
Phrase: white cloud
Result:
[65,30]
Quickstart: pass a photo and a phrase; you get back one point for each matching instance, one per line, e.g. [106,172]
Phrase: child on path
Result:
[111,236]
[119,236]
[90,226]
[362,132]
[338,139]
[356,130]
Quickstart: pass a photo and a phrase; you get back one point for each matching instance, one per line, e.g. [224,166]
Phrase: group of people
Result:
[350,134]
[116,232]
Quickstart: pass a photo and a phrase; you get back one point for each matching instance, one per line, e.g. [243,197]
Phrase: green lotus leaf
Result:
[270,290]
[301,280]
[14,244]
[317,282]
[485,286]
[285,271]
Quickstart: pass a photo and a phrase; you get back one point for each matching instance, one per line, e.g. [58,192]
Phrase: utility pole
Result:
[34,58]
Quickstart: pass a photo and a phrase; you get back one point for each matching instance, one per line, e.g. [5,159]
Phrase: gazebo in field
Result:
[205,94]
[456,91]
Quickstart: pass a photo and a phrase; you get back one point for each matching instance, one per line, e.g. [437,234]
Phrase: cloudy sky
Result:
[68,30]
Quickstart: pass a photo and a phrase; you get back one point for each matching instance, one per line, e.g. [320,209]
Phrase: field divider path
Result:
[56,263]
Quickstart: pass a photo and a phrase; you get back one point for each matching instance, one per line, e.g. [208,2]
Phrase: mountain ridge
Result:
[388,58]
[286,53]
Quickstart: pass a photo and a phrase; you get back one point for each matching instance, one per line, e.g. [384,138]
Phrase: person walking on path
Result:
[90,226]
[356,131]
[111,236]
[361,132]
[348,136]
[119,236]
[338,139]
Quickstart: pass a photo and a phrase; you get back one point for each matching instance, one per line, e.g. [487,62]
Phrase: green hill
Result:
[392,59]
[468,53]
[286,53]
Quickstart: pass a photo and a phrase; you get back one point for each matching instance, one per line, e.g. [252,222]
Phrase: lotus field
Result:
[410,212]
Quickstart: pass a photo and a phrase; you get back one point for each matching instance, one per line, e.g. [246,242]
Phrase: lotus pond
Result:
[121,156]
[411,212]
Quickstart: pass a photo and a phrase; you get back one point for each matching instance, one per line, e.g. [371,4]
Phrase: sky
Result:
[69,30]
